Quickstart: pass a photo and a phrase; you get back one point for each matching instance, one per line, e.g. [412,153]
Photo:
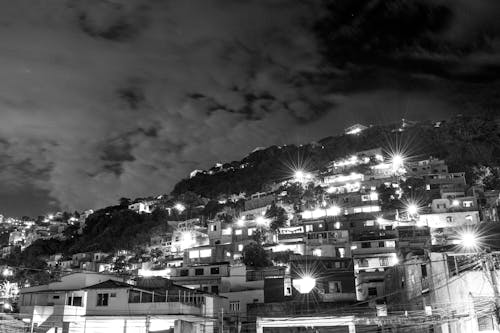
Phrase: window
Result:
[240,247]
[55,297]
[449,219]
[215,289]
[485,323]
[213,227]
[390,243]
[334,287]
[309,227]
[214,270]
[74,300]
[194,254]
[467,204]
[251,231]
[423,269]
[366,245]
[134,296]
[238,232]
[227,231]
[205,253]
[381,244]
[317,252]
[384,261]
[234,306]
[372,291]
[363,262]
[184,272]
[102,299]
[198,271]
[468,218]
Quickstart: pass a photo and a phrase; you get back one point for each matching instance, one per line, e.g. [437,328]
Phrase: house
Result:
[355,129]
[91,303]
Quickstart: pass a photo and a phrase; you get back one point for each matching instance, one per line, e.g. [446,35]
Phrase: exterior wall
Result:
[243,297]
[449,219]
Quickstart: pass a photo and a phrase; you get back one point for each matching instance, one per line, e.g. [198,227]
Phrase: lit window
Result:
[309,228]
[205,253]
[467,204]
[251,231]
[227,231]
[468,218]
[194,254]
[240,247]
[317,252]
[238,232]
[341,252]
[390,243]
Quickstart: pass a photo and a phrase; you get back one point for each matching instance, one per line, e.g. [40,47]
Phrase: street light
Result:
[397,162]
[305,284]
[412,209]
[469,240]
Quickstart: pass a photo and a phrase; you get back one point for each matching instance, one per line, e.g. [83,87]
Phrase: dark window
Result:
[184,272]
[147,298]
[198,271]
[102,299]
[381,244]
[424,270]
[372,291]
[214,270]
[366,245]
[55,297]
[134,296]
[215,289]
[74,301]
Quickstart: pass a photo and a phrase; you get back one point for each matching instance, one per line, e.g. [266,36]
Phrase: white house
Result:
[95,303]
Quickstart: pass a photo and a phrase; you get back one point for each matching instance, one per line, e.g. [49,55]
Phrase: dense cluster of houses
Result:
[344,258]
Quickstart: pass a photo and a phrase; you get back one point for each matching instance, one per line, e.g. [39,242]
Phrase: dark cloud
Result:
[108,98]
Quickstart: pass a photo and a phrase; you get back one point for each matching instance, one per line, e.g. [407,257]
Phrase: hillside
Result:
[470,144]
[464,141]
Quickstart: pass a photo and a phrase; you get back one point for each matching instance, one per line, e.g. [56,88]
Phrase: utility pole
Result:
[222,320]
[148,322]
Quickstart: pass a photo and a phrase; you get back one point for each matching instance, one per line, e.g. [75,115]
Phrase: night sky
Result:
[104,99]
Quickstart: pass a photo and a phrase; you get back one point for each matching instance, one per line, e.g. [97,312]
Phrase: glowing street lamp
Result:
[469,240]
[240,222]
[412,209]
[261,220]
[301,176]
[305,284]
[397,162]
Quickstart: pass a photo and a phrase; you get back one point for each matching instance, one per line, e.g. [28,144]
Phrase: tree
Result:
[277,215]
[254,255]
[124,202]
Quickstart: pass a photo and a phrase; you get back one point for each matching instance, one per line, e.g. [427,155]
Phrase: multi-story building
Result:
[374,251]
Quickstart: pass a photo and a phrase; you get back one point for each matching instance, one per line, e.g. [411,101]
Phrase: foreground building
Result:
[92,303]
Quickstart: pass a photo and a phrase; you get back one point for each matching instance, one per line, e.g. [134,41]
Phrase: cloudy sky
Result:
[103,99]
